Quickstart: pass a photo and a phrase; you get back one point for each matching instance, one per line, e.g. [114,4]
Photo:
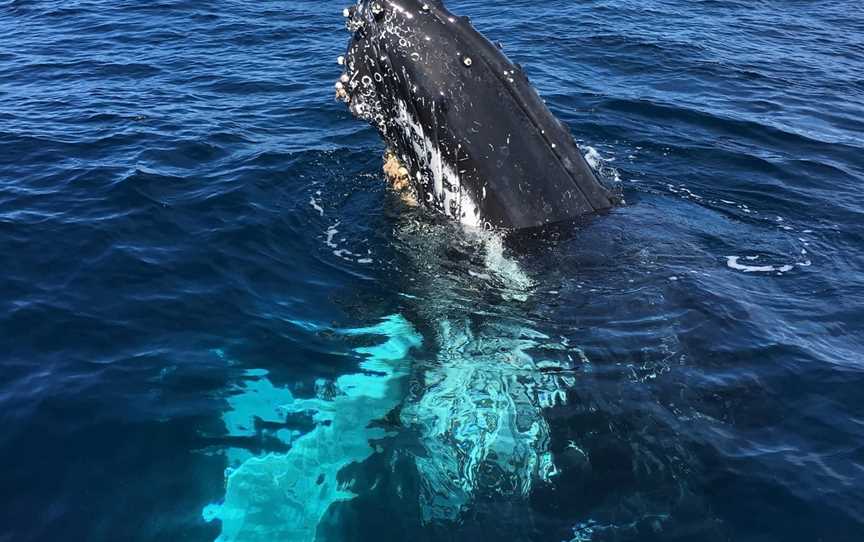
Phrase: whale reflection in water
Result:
[478,404]
[480,416]
[474,406]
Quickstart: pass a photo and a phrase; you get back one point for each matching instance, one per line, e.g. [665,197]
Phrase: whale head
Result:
[479,144]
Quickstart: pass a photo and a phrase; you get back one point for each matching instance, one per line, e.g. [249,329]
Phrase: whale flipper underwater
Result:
[479,143]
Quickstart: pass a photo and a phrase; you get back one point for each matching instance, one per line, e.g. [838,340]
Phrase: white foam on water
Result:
[600,164]
[331,233]
[343,253]
[499,264]
[734,262]
[775,221]
[315,204]
[592,156]
[482,276]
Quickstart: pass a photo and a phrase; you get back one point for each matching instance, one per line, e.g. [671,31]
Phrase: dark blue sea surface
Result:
[216,322]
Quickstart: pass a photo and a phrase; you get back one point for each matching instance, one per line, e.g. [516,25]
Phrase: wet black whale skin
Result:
[515,160]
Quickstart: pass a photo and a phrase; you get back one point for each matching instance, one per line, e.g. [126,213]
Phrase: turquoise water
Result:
[218,324]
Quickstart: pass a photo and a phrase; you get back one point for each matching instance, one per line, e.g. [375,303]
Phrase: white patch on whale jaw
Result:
[448,195]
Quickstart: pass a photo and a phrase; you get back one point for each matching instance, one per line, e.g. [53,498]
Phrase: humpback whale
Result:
[444,417]
[443,421]
[477,142]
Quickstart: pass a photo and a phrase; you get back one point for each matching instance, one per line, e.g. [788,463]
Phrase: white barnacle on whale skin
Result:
[399,177]
[394,25]
[362,93]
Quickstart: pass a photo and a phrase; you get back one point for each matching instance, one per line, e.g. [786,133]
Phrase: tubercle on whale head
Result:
[480,144]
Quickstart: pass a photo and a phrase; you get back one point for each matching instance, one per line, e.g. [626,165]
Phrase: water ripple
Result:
[187,217]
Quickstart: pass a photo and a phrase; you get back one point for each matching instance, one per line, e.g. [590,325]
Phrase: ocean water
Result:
[218,324]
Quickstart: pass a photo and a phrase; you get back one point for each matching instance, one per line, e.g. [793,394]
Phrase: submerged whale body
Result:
[478,143]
